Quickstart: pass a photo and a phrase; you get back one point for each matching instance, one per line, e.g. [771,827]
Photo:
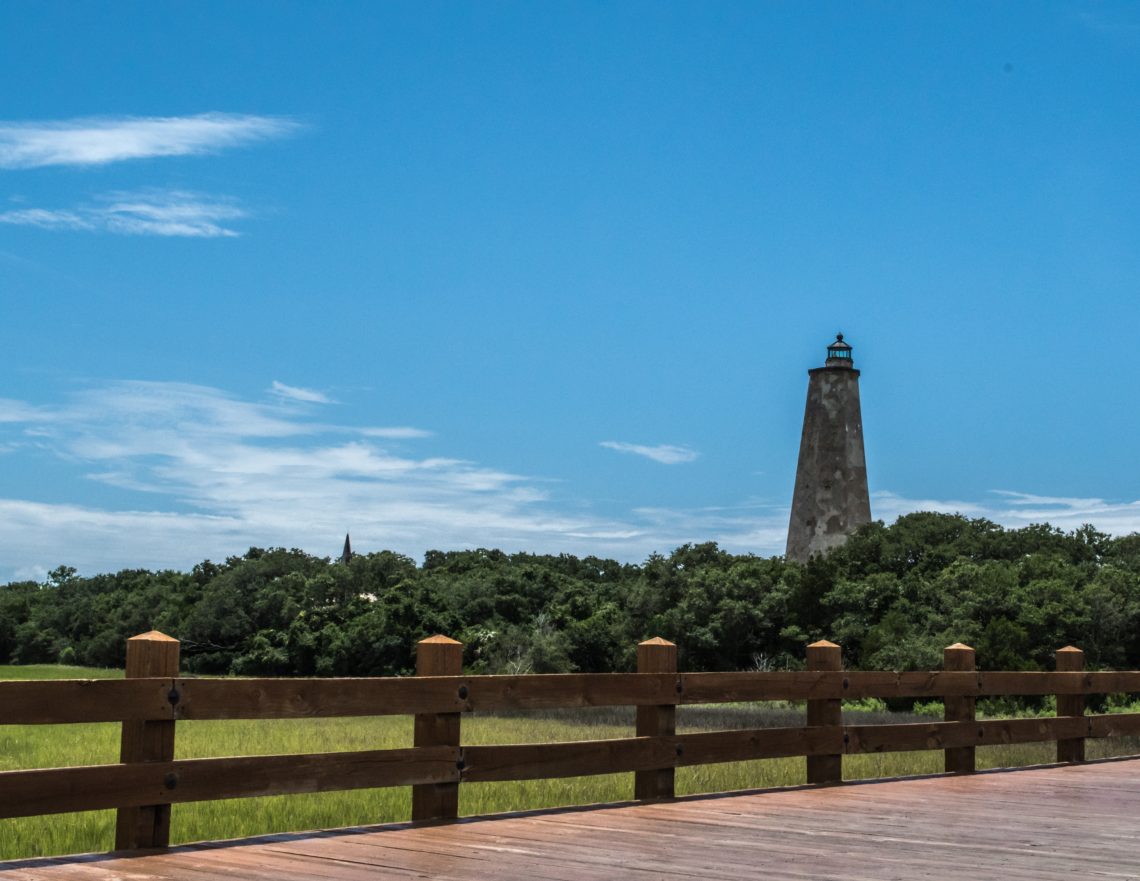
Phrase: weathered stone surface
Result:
[830,498]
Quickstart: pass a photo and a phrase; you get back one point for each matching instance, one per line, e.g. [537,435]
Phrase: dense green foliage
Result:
[893,597]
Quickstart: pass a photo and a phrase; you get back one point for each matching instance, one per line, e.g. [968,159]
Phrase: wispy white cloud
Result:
[18,411]
[1015,510]
[398,432]
[30,573]
[97,141]
[226,473]
[664,454]
[151,212]
[298,394]
[215,474]
[45,219]
[168,213]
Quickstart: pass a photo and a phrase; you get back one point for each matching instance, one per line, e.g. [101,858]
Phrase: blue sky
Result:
[549,277]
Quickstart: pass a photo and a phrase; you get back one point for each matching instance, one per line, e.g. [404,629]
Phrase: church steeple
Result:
[347,555]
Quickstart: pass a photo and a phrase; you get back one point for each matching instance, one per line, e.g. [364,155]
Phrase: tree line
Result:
[893,597]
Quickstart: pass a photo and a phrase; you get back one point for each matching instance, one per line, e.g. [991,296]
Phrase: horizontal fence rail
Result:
[150,701]
[64,790]
[125,700]
[92,788]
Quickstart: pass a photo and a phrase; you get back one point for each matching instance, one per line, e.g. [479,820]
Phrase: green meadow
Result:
[47,746]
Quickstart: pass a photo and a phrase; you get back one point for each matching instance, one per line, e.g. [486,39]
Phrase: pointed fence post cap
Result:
[1071,648]
[439,639]
[823,644]
[153,636]
[656,655]
[959,645]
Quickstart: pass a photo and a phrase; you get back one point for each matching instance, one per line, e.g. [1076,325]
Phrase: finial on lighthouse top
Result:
[839,354]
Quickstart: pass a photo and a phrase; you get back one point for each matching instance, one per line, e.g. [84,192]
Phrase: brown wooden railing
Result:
[154,698]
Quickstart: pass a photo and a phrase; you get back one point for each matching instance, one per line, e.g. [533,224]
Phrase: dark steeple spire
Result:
[347,555]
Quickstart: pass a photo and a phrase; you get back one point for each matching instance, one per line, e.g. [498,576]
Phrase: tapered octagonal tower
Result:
[831,497]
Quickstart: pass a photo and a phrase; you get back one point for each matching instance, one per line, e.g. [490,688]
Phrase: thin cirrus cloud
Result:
[212,474]
[665,454]
[207,474]
[298,394]
[101,140]
[310,396]
[150,212]
[1015,510]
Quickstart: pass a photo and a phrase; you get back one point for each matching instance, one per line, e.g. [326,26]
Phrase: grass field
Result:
[63,745]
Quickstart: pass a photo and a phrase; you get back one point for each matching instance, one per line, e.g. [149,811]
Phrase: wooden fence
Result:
[152,699]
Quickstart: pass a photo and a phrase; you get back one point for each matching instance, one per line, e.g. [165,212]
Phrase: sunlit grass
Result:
[46,746]
[57,671]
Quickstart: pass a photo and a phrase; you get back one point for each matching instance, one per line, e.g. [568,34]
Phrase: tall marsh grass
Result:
[50,746]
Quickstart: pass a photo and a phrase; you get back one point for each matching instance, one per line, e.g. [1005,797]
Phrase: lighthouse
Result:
[830,498]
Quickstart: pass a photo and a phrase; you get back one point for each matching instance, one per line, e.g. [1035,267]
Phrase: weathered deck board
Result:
[1042,823]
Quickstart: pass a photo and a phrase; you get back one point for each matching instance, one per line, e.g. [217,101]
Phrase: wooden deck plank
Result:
[950,830]
[776,850]
[1042,824]
[461,859]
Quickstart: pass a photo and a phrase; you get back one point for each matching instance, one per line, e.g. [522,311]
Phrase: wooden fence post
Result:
[437,656]
[655,656]
[1070,660]
[152,655]
[959,658]
[824,655]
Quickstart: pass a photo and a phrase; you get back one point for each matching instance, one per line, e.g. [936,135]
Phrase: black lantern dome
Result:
[839,353]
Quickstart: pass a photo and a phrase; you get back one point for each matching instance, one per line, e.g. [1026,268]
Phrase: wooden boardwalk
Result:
[1079,821]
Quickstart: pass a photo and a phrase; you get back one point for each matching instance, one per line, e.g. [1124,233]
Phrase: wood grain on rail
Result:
[985,732]
[61,701]
[534,761]
[119,700]
[699,688]
[96,787]
[318,698]
[306,698]
[558,690]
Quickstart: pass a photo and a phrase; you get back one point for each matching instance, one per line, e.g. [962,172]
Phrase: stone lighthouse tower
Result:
[831,497]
